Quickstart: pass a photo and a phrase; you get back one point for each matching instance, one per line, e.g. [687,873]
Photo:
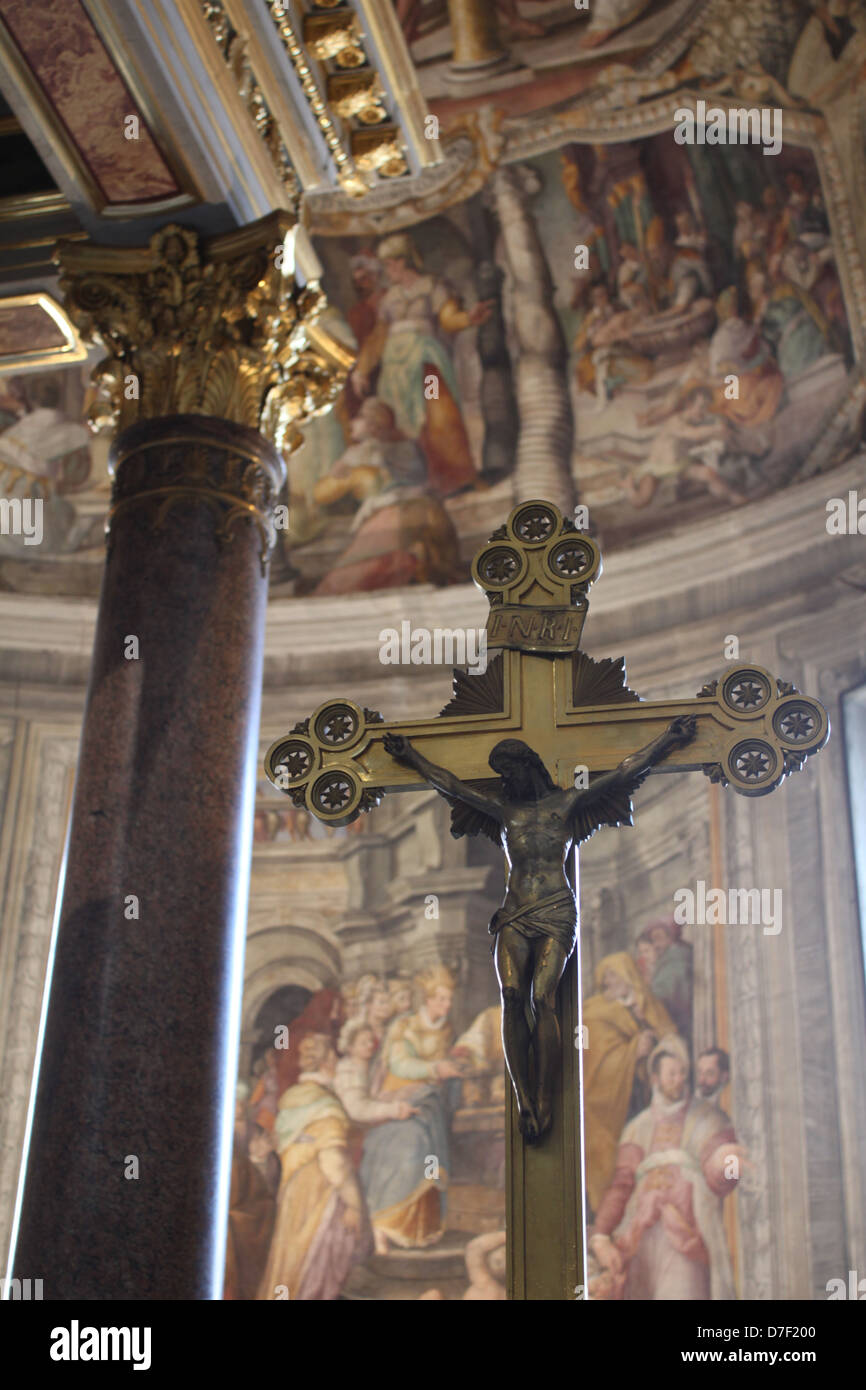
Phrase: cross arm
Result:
[336,763]
[751,731]
[635,766]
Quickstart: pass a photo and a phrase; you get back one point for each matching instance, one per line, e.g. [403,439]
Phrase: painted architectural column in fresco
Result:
[543,467]
[126,1184]
[478,48]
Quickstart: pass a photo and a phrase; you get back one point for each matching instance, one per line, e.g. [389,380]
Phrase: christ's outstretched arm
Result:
[678,733]
[439,777]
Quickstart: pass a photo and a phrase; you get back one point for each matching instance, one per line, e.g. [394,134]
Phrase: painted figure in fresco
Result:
[251,1209]
[738,348]
[690,445]
[673,973]
[645,956]
[624,1021]
[379,456]
[401,533]
[658,1230]
[379,1011]
[321,1227]
[614,362]
[263,1101]
[416,373]
[368,282]
[357,1048]
[405,1196]
[400,1006]
[788,318]
[689,274]
[601,310]
[323,1013]
[485,1270]
[713,1074]
[538,824]
[479,1050]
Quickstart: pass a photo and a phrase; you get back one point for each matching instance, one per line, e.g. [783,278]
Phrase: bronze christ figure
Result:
[537,824]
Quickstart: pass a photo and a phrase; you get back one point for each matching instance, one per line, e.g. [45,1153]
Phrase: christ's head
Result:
[524,776]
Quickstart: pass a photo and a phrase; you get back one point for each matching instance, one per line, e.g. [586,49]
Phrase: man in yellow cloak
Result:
[623,1020]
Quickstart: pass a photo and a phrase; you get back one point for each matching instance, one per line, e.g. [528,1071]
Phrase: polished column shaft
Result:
[126,1185]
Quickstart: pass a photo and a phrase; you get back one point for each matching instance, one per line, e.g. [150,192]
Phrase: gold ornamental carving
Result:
[215,327]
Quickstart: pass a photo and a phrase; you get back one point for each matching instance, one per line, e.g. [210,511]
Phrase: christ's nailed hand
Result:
[399,747]
[681,731]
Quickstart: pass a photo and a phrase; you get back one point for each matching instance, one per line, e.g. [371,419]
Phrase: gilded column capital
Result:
[213,326]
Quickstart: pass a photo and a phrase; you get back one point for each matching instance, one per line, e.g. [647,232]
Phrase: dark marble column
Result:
[127,1178]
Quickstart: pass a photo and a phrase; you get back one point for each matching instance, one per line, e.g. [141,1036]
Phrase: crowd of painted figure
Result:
[342,1144]
[758,346]
[661,1157]
[342,1137]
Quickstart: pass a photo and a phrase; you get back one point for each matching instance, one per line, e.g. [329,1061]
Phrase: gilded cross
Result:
[745,729]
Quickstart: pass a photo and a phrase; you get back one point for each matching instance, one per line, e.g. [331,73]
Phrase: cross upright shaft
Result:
[579,717]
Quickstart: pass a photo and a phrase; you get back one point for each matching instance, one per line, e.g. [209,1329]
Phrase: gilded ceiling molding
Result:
[338,43]
[469,157]
[30,205]
[353,93]
[342,88]
[216,327]
[234,50]
[389,53]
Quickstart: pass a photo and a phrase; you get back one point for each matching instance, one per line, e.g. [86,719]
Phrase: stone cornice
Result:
[770,561]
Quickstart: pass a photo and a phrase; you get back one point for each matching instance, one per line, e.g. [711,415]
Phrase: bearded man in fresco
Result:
[659,1231]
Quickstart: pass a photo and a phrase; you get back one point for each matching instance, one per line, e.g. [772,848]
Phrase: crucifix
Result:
[568,743]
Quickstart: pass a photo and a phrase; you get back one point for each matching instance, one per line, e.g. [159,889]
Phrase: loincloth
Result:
[554,916]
